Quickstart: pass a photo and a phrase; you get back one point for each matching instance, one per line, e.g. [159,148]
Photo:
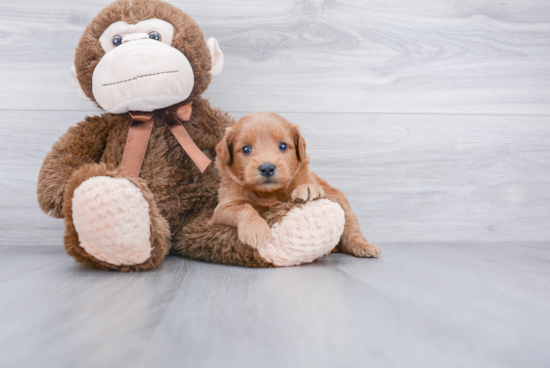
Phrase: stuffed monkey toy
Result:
[135,183]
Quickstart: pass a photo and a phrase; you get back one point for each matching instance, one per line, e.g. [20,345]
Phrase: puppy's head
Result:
[262,151]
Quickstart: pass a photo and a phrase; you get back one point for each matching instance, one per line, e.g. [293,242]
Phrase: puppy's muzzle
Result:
[267,170]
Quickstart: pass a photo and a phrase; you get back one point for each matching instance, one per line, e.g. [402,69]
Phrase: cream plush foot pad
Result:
[112,220]
[305,234]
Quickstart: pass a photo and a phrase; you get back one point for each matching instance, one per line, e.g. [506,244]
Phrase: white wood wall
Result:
[433,116]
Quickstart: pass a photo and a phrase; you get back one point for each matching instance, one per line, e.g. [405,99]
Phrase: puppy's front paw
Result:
[308,192]
[362,248]
[254,232]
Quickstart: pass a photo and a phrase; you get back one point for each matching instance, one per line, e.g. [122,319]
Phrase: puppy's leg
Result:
[352,240]
[252,228]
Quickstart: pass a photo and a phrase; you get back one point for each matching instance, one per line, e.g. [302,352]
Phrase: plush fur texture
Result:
[180,199]
[246,192]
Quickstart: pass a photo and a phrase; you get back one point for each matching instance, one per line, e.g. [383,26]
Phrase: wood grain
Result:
[422,305]
[409,178]
[317,56]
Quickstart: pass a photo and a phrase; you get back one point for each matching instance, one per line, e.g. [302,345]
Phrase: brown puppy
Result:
[262,161]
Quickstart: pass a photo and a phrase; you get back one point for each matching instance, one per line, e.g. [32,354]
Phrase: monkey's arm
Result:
[80,145]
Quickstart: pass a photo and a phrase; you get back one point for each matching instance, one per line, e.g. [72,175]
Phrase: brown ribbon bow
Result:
[140,132]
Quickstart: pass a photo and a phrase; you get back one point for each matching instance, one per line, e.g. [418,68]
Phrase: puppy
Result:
[262,160]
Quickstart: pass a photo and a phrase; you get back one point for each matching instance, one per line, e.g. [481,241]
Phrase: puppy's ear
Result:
[299,143]
[224,149]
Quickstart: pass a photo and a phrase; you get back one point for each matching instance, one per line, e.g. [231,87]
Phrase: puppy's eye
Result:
[247,149]
[154,36]
[117,40]
[282,146]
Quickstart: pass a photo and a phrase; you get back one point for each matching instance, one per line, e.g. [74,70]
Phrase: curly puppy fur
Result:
[248,188]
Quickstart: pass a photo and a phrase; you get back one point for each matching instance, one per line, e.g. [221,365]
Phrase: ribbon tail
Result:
[189,146]
[136,146]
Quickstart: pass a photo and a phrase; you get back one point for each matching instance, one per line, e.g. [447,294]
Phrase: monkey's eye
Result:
[246,150]
[282,146]
[154,36]
[117,40]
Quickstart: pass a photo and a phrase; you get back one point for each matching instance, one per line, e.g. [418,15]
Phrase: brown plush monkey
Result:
[129,182]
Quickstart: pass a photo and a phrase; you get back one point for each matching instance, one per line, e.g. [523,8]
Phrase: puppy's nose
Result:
[267,170]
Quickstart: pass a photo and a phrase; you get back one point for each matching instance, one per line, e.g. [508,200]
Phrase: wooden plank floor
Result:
[419,305]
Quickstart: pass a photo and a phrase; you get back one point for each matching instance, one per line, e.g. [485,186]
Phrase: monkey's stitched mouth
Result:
[140,76]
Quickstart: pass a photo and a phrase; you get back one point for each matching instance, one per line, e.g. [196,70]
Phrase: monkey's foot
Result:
[305,233]
[111,217]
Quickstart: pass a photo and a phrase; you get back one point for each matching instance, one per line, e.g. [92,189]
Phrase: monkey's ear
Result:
[76,85]
[299,143]
[217,56]
[224,149]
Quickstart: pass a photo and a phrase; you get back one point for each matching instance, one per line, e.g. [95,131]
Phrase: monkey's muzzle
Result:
[142,75]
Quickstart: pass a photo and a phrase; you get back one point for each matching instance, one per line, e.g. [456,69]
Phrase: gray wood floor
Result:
[422,305]
[432,116]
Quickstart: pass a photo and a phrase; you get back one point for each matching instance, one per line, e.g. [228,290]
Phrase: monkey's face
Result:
[141,66]
[141,70]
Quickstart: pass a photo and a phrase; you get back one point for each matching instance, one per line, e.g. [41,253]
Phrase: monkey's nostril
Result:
[267,170]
